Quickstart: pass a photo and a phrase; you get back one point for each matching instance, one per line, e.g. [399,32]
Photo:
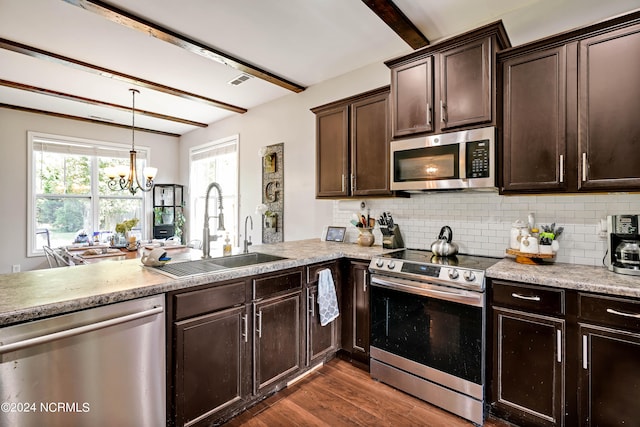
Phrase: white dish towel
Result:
[327,298]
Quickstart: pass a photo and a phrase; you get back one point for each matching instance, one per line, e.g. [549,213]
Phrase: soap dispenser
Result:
[226,248]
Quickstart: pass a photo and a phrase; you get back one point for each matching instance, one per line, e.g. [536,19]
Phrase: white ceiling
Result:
[303,41]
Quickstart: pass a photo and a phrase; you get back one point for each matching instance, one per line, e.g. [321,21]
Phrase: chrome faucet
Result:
[206,235]
[247,243]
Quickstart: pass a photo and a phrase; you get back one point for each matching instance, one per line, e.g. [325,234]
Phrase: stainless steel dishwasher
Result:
[103,366]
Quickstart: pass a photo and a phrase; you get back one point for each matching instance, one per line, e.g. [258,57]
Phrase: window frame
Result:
[94,197]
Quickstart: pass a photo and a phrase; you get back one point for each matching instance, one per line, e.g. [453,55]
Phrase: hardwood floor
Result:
[339,394]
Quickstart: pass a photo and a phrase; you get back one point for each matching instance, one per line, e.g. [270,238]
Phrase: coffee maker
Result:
[624,244]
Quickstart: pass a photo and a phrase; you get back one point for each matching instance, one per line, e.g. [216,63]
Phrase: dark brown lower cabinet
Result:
[529,368]
[563,357]
[277,330]
[211,364]
[609,379]
[322,341]
[355,323]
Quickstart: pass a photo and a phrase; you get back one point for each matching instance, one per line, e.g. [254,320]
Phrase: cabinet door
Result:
[609,383]
[320,339]
[332,156]
[465,84]
[528,374]
[211,364]
[534,140]
[360,294]
[277,339]
[370,146]
[412,98]
[608,106]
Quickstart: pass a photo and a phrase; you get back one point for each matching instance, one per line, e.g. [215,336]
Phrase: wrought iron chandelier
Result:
[123,178]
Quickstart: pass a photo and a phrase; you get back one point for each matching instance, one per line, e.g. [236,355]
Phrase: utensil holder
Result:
[391,237]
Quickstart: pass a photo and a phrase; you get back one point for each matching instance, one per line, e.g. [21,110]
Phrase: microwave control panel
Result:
[477,161]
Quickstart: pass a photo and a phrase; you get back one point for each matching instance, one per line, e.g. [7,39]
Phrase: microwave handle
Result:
[462,160]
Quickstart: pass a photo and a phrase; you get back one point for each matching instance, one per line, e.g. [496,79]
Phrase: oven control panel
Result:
[447,275]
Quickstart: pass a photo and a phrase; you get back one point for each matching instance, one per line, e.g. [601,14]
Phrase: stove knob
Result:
[391,265]
[453,273]
[469,276]
[379,263]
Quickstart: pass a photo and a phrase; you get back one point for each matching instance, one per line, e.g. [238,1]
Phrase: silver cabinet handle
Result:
[245,334]
[442,107]
[561,167]
[79,330]
[428,114]
[620,313]
[259,329]
[584,167]
[525,297]
[353,182]
[585,352]
[342,183]
[559,344]
[364,281]
[312,309]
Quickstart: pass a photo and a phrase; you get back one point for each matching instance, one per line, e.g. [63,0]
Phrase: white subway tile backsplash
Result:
[481,221]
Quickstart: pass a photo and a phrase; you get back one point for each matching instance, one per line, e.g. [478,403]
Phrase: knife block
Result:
[391,237]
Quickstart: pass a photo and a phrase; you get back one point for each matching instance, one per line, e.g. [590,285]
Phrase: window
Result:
[214,162]
[68,192]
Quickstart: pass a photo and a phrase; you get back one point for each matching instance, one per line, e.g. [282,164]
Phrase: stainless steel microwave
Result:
[451,161]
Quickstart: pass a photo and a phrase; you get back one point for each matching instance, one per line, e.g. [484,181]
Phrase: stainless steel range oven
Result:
[428,328]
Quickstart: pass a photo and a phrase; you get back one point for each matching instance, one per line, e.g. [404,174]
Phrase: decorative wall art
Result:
[273,193]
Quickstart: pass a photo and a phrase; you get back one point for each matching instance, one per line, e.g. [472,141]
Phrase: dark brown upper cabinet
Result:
[534,132]
[352,146]
[569,113]
[448,85]
[608,106]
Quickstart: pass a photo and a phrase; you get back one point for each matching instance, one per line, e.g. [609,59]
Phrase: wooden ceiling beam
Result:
[67,96]
[84,119]
[105,72]
[139,24]
[398,22]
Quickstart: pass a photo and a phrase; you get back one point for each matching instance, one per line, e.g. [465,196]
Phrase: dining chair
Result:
[45,233]
[195,244]
[54,258]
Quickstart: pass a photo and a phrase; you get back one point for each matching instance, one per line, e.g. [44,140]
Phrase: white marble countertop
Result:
[568,276]
[41,293]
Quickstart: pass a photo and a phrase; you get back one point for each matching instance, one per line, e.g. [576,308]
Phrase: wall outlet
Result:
[602,229]
[15,268]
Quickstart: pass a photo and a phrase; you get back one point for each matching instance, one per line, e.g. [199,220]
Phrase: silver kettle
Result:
[443,246]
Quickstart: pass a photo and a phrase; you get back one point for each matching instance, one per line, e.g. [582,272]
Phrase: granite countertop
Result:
[568,276]
[42,293]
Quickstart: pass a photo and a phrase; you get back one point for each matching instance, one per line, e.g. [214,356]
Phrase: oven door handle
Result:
[461,296]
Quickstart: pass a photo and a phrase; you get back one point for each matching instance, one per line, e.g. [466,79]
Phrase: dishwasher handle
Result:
[79,330]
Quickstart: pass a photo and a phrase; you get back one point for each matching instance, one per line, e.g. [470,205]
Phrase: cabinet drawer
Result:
[529,298]
[314,270]
[610,311]
[189,304]
[273,284]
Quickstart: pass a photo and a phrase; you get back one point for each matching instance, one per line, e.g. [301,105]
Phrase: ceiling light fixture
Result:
[128,178]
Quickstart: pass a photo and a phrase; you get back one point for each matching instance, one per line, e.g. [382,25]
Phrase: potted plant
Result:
[180,221]
[122,228]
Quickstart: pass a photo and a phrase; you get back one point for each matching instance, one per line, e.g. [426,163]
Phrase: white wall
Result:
[287,120]
[14,126]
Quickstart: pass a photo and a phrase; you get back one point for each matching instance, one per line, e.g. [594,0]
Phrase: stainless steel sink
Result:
[200,266]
